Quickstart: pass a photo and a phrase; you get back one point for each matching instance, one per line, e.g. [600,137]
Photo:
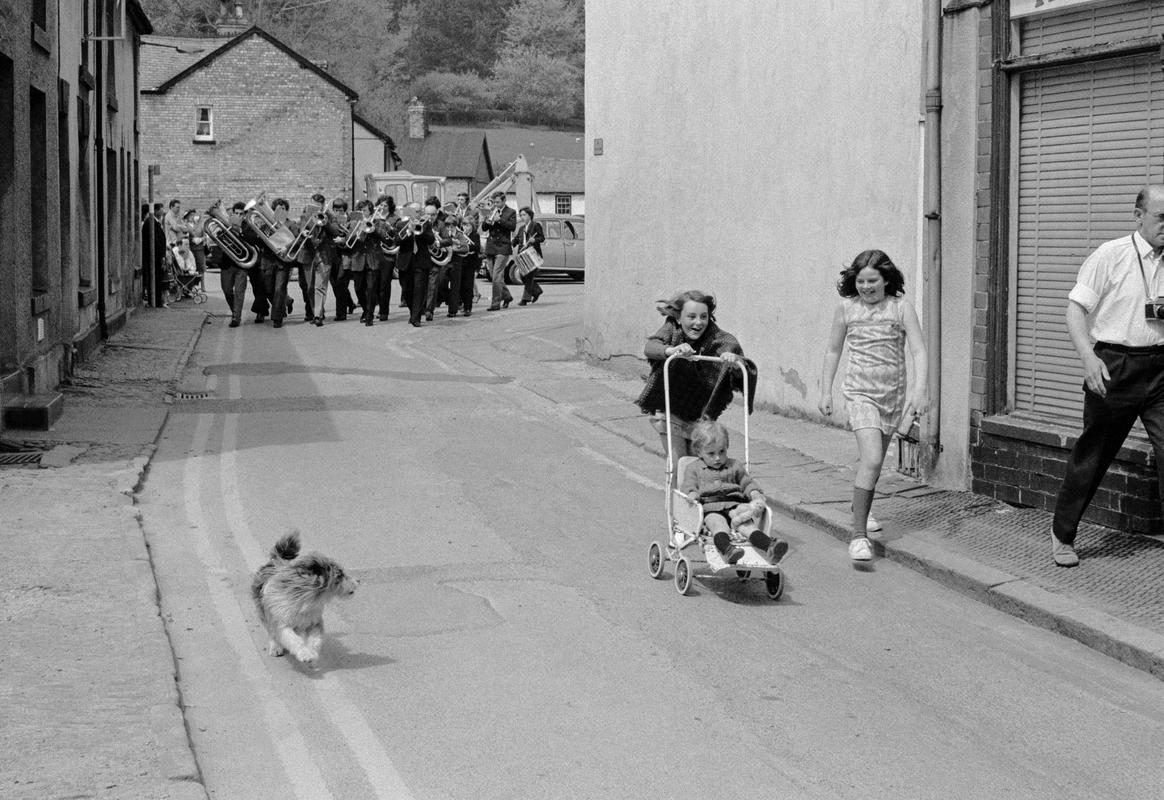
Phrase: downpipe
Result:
[929,443]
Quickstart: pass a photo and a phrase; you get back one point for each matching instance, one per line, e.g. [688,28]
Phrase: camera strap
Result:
[1143,275]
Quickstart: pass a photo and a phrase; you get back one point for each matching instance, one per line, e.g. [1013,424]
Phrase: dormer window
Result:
[204,124]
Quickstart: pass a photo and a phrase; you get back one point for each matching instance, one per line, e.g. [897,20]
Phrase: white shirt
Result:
[1113,289]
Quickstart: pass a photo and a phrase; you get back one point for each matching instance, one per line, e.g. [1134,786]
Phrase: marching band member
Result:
[232,276]
[500,225]
[325,255]
[386,207]
[276,272]
[304,259]
[261,305]
[364,265]
[407,255]
[529,236]
[464,269]
[339,277]
[423,270]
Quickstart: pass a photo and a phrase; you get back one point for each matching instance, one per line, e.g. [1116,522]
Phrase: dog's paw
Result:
[306,655]
[274,649]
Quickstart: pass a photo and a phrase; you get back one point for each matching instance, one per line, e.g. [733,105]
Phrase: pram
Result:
[685,517]
[181,284]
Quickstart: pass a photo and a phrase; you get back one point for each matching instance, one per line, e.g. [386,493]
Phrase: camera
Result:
[1154,309]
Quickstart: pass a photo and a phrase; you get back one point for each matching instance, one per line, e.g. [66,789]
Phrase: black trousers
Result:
[1136,391]
[305,289]
[462,274]
[422,279]
[275,285]
[367,290]
[384,299]
[261,305]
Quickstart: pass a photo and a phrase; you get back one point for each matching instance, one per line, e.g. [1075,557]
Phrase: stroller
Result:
[181,284]
[685,519]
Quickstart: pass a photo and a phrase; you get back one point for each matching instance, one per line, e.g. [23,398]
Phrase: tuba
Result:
[391,246]
[310,223]
[260,218]
[218,230]
[439,253]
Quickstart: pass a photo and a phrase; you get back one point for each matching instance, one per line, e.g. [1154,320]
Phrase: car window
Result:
[575,229]
[553,229]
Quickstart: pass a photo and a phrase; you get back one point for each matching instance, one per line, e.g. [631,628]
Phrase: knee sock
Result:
[722,541]
[759,540]
[862,502]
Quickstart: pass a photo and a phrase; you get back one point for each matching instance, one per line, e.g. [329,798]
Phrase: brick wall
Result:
[1015,458]
[277,127]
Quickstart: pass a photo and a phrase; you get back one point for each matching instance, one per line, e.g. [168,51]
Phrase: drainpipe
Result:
[932,236]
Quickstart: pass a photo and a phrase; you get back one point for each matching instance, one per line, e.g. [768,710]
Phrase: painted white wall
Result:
[751,153]
[368,152]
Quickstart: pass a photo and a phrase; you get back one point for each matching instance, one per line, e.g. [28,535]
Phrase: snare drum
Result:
[527,261]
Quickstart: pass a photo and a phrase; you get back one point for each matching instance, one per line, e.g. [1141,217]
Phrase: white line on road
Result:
[634,476]
[346,717]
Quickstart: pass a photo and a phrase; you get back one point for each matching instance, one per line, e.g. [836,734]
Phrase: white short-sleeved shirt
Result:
[1113,289]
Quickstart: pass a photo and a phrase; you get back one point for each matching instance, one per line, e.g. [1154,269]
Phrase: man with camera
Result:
[1117,303]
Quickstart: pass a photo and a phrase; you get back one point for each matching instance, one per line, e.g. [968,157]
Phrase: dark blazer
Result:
[531,235]
[499,233]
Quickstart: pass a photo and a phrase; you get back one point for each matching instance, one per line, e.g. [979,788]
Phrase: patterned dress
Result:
[875,379]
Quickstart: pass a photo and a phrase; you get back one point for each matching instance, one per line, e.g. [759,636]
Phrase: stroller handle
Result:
[739,362]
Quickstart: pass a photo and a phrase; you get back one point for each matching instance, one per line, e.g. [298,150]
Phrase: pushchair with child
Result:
[180,281]
[687,534]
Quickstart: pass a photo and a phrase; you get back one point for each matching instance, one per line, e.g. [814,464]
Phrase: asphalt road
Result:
[506,641]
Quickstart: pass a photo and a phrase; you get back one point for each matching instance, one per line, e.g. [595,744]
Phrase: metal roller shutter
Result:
[1089,136]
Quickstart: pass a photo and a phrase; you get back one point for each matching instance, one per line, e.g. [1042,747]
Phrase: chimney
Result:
[417,119]
[232,20]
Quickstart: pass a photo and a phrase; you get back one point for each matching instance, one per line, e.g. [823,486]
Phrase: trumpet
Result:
[218,231]
[461,242]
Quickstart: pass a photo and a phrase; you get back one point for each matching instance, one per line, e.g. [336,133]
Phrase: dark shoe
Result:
[468,313]
[505,303]
[309,318]
[383,317]
[234,323]
[428,317]
[319,322]
[776,550]
[341,317]
[290,305]
[536,296]
[415,323]
[493,308]
[351,308]
[259,319]
[368,322]
[733,554]
[278,323]
[523,302]
[1063,553]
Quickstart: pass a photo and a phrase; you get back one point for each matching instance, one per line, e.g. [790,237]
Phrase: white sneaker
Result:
[872,525]
[861,550]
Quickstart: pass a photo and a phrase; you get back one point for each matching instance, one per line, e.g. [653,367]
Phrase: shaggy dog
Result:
[290,593]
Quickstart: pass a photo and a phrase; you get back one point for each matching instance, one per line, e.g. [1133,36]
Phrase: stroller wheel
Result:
[655,560]
[743,574]
[199,298]
[774,583]
[683,575]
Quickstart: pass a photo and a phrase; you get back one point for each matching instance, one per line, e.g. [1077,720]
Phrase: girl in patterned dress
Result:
[877,323]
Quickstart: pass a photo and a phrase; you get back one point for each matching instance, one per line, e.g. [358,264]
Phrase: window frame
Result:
[204,137]
[567,200]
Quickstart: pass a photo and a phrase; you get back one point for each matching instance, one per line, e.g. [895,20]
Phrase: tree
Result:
[459,92]
[555,28]
[538,88]
[456,36]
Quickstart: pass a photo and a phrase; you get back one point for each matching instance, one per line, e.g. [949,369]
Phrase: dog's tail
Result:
[287,548]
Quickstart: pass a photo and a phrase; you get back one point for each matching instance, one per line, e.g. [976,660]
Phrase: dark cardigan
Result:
[699,389]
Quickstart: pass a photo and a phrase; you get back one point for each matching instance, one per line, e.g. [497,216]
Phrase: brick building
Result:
[231,116]
[69,240]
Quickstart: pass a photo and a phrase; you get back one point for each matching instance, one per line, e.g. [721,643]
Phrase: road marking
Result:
[305,778]
[642,480]
[346,717]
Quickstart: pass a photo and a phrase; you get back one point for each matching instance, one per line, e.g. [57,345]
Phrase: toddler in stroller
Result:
[732,502]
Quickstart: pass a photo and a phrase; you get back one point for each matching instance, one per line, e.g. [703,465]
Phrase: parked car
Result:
[563,251]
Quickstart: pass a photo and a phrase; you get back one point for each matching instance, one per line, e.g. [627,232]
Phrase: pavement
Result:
[89,699]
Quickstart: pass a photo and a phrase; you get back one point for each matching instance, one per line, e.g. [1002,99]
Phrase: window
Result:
[204,125]
[574,229]
[553,229]
[563,204]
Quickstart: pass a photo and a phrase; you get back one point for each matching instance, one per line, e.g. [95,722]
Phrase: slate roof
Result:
[554,175]
[450,152]
[207,55]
